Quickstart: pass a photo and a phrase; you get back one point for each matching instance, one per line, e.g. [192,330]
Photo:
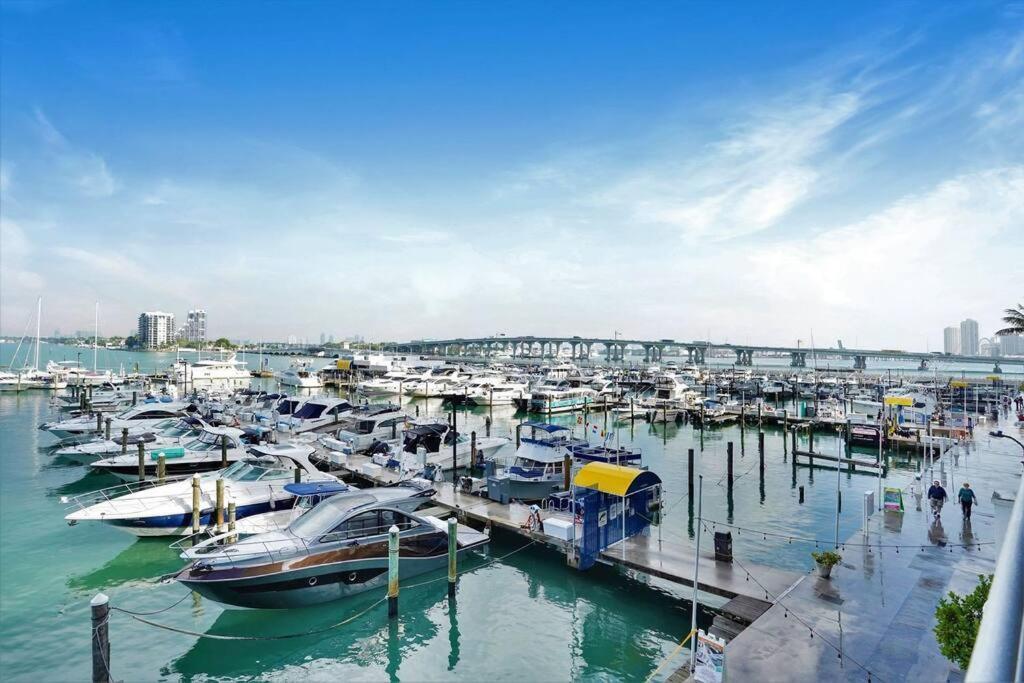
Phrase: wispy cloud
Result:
[84,170]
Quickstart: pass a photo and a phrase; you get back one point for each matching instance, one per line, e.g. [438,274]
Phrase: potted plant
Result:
[825,561]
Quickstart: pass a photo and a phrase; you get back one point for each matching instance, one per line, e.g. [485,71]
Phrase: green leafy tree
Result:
[223,343]
[1014,320]
[959,618]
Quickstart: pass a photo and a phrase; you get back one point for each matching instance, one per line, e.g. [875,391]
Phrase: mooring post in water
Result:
[106,432]
[135,397]
[124,441]
[519,428]
[393,572]
[142,461]
[453,548]
[487,426]
[743,417]
[758,415]
[689,471]
[631,409]
[728,462]
[455,457]
[161,468]
[760,451]
[472,449]
[810,438]
[196,509]
[801,489]
[220,506]
[99,422]
[298,475]
[231,521]
[223,451]
[566,471]
[100,607]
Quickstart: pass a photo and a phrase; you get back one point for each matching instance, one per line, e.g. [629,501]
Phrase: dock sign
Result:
[710,659]
[893,499]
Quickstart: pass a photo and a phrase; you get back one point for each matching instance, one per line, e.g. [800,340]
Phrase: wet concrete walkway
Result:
[880,603]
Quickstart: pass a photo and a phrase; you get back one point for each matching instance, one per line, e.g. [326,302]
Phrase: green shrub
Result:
[827,558]
[959,618]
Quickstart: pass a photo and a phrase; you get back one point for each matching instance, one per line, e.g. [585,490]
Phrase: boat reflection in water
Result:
[337,549]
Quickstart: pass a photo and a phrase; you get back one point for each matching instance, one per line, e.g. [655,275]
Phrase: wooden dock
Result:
[667,559]
[806,459]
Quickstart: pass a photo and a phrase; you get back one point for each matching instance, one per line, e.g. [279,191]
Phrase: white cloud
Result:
[82,169]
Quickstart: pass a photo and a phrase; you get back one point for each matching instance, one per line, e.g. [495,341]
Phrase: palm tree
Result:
[1014,318]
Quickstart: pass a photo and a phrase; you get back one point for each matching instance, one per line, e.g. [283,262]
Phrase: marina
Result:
[761,459]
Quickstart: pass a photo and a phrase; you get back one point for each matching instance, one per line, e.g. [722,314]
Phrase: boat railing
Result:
[112,493]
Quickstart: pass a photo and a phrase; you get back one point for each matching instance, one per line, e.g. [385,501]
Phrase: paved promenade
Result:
[886,597]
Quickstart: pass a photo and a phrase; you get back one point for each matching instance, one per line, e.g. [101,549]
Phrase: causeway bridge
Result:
[616,350]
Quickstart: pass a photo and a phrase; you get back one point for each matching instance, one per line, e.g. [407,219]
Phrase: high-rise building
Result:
[969,337]
[195,326]
[1012,345]
[156,329]
[323,338]
[951,340]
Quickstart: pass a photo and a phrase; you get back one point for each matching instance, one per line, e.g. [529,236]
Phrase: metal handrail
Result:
[999,648]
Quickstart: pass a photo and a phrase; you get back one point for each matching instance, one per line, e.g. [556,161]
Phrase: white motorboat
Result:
[255,484]
[169,432]
[142,415]
[439,382]
[368,423]
[319,411]
[391,383]
[204,453]
[301,374]
[499,393]
[212,372]
[432,442]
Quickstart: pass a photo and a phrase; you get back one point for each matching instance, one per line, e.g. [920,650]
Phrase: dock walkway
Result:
[887,598]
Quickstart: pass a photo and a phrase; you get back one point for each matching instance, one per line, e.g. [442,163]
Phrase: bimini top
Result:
[614,479]
[544,426]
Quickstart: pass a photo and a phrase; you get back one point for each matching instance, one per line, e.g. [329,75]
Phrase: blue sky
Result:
[749,171]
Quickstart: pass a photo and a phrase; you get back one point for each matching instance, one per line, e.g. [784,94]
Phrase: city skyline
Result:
[690,184]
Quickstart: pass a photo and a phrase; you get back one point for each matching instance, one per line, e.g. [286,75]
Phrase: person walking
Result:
[967,499]
[936,498]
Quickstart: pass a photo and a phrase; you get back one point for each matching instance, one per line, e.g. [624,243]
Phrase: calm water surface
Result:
[525,613]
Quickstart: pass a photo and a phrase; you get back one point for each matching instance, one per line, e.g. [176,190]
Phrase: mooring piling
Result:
[196,503]
[100,608]
[728,463]
[106,431]
[124,441]
[393,572]
[689,472]
[801,491]
[453,546]
[223,451]
[142,461]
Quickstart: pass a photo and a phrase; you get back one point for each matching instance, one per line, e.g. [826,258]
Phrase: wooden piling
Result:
[99,422]
[161,469]
[298,475]
[135,398]
[106,433]
[231,521]
[124,441]
[801,490]
[453,548]
[223,451]
[472,449]
[728,462]
[760,445]
[220,506]
[196,504]
[566,471]
[393,572]
[689,472]
[100,608]
[519,428]
[487,426]
[810,438]
[142,461]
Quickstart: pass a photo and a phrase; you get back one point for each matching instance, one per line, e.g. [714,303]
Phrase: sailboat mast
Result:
[39,315]
[96,338]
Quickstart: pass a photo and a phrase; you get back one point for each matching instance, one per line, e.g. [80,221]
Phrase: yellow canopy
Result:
[613,479]
[343,364]
[899,401]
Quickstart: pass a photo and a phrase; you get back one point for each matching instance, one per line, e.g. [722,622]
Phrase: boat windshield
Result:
[263,469]
[326,515]
[172,427]
[207,441]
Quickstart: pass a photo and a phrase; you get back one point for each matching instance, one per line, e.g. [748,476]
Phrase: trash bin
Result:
[723,546]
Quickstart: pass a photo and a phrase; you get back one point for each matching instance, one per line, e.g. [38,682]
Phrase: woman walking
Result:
[967,499]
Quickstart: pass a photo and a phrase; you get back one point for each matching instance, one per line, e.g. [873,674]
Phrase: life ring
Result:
[311,581]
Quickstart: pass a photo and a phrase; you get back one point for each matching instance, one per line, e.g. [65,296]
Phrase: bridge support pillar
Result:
[696,354]
[744,357]
[860,362]
[923,366]
[996,370]
[798,359]
[647,353]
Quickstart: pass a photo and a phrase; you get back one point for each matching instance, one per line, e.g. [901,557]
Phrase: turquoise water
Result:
[526,614]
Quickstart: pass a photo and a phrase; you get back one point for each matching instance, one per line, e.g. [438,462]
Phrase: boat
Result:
[205,453]
[337,549]
[365,424]
[164,434]
[560,396]
[316,412]
[391,383]
[255,484]
[142,415]
[301,374]
[213,372]
[538,466]
[501,392]
[437,383]
[431,442]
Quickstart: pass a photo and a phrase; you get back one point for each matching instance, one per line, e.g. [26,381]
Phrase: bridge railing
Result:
[999,648]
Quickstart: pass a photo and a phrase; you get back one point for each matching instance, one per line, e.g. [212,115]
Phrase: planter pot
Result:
[824,570]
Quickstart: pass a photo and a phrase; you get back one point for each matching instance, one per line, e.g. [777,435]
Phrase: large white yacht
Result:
[212,372]
[302,375]
[391,383]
